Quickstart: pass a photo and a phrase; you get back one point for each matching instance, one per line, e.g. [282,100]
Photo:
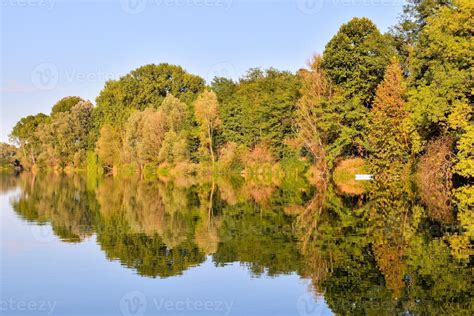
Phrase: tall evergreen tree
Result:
[389,129]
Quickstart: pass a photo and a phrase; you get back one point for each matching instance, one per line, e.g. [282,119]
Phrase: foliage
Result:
[317,118]
[441,68]
[434,179]
[231,158]
[8,156]
[207,115]
[406,33]
[389,129]
[108,146]
[377,251]
[355,59]
[24,135]
[145,87]
[259,108]
[465,158]
[65,104]
[64,137]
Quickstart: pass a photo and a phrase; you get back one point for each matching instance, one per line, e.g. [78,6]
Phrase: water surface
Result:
[72,245]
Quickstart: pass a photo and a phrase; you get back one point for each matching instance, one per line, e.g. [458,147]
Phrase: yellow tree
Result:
[108,147]
[206,109]
[311,118]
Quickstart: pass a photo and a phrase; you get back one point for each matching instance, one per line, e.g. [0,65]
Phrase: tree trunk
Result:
[210,144]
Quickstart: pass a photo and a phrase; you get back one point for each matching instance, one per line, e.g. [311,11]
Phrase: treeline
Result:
[384,97]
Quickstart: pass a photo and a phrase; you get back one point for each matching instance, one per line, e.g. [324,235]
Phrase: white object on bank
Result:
[363,177]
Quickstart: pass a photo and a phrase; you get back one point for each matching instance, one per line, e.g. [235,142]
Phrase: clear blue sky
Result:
[55,48]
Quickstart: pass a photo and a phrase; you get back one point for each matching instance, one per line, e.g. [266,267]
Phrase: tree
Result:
[441,68]
[25,136]
[224,88]
[315,120]
[389,129]
[175,114]
[260,108]
[145,87]
[356,57]
[65,104]
[153,136]
[406,33]
[206,109]
[8,156]
[108,147]
[174,148]
[65,137]
[154,129]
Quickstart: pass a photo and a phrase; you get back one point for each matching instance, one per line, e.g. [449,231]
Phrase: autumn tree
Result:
[206,109]
[153,131]
[154,135]
[389,129]
[177,124]
[316,119]
[440,96]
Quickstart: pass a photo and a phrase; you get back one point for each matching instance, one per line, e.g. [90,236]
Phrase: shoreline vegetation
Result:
[389,102]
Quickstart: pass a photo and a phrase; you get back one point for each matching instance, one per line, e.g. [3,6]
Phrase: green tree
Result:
[8,155]
[65,104]
[441,68]
[25,136]
[356,57]
[65,137]
[224,88]
[108,147]
[144,87]
[260,108]
[413,19]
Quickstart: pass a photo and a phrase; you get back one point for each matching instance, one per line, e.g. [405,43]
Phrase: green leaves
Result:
[144,87]
[259,108]
[355,59]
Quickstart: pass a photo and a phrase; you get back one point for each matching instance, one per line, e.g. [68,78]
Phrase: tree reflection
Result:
[371,254]
[60,200]
[380,258]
